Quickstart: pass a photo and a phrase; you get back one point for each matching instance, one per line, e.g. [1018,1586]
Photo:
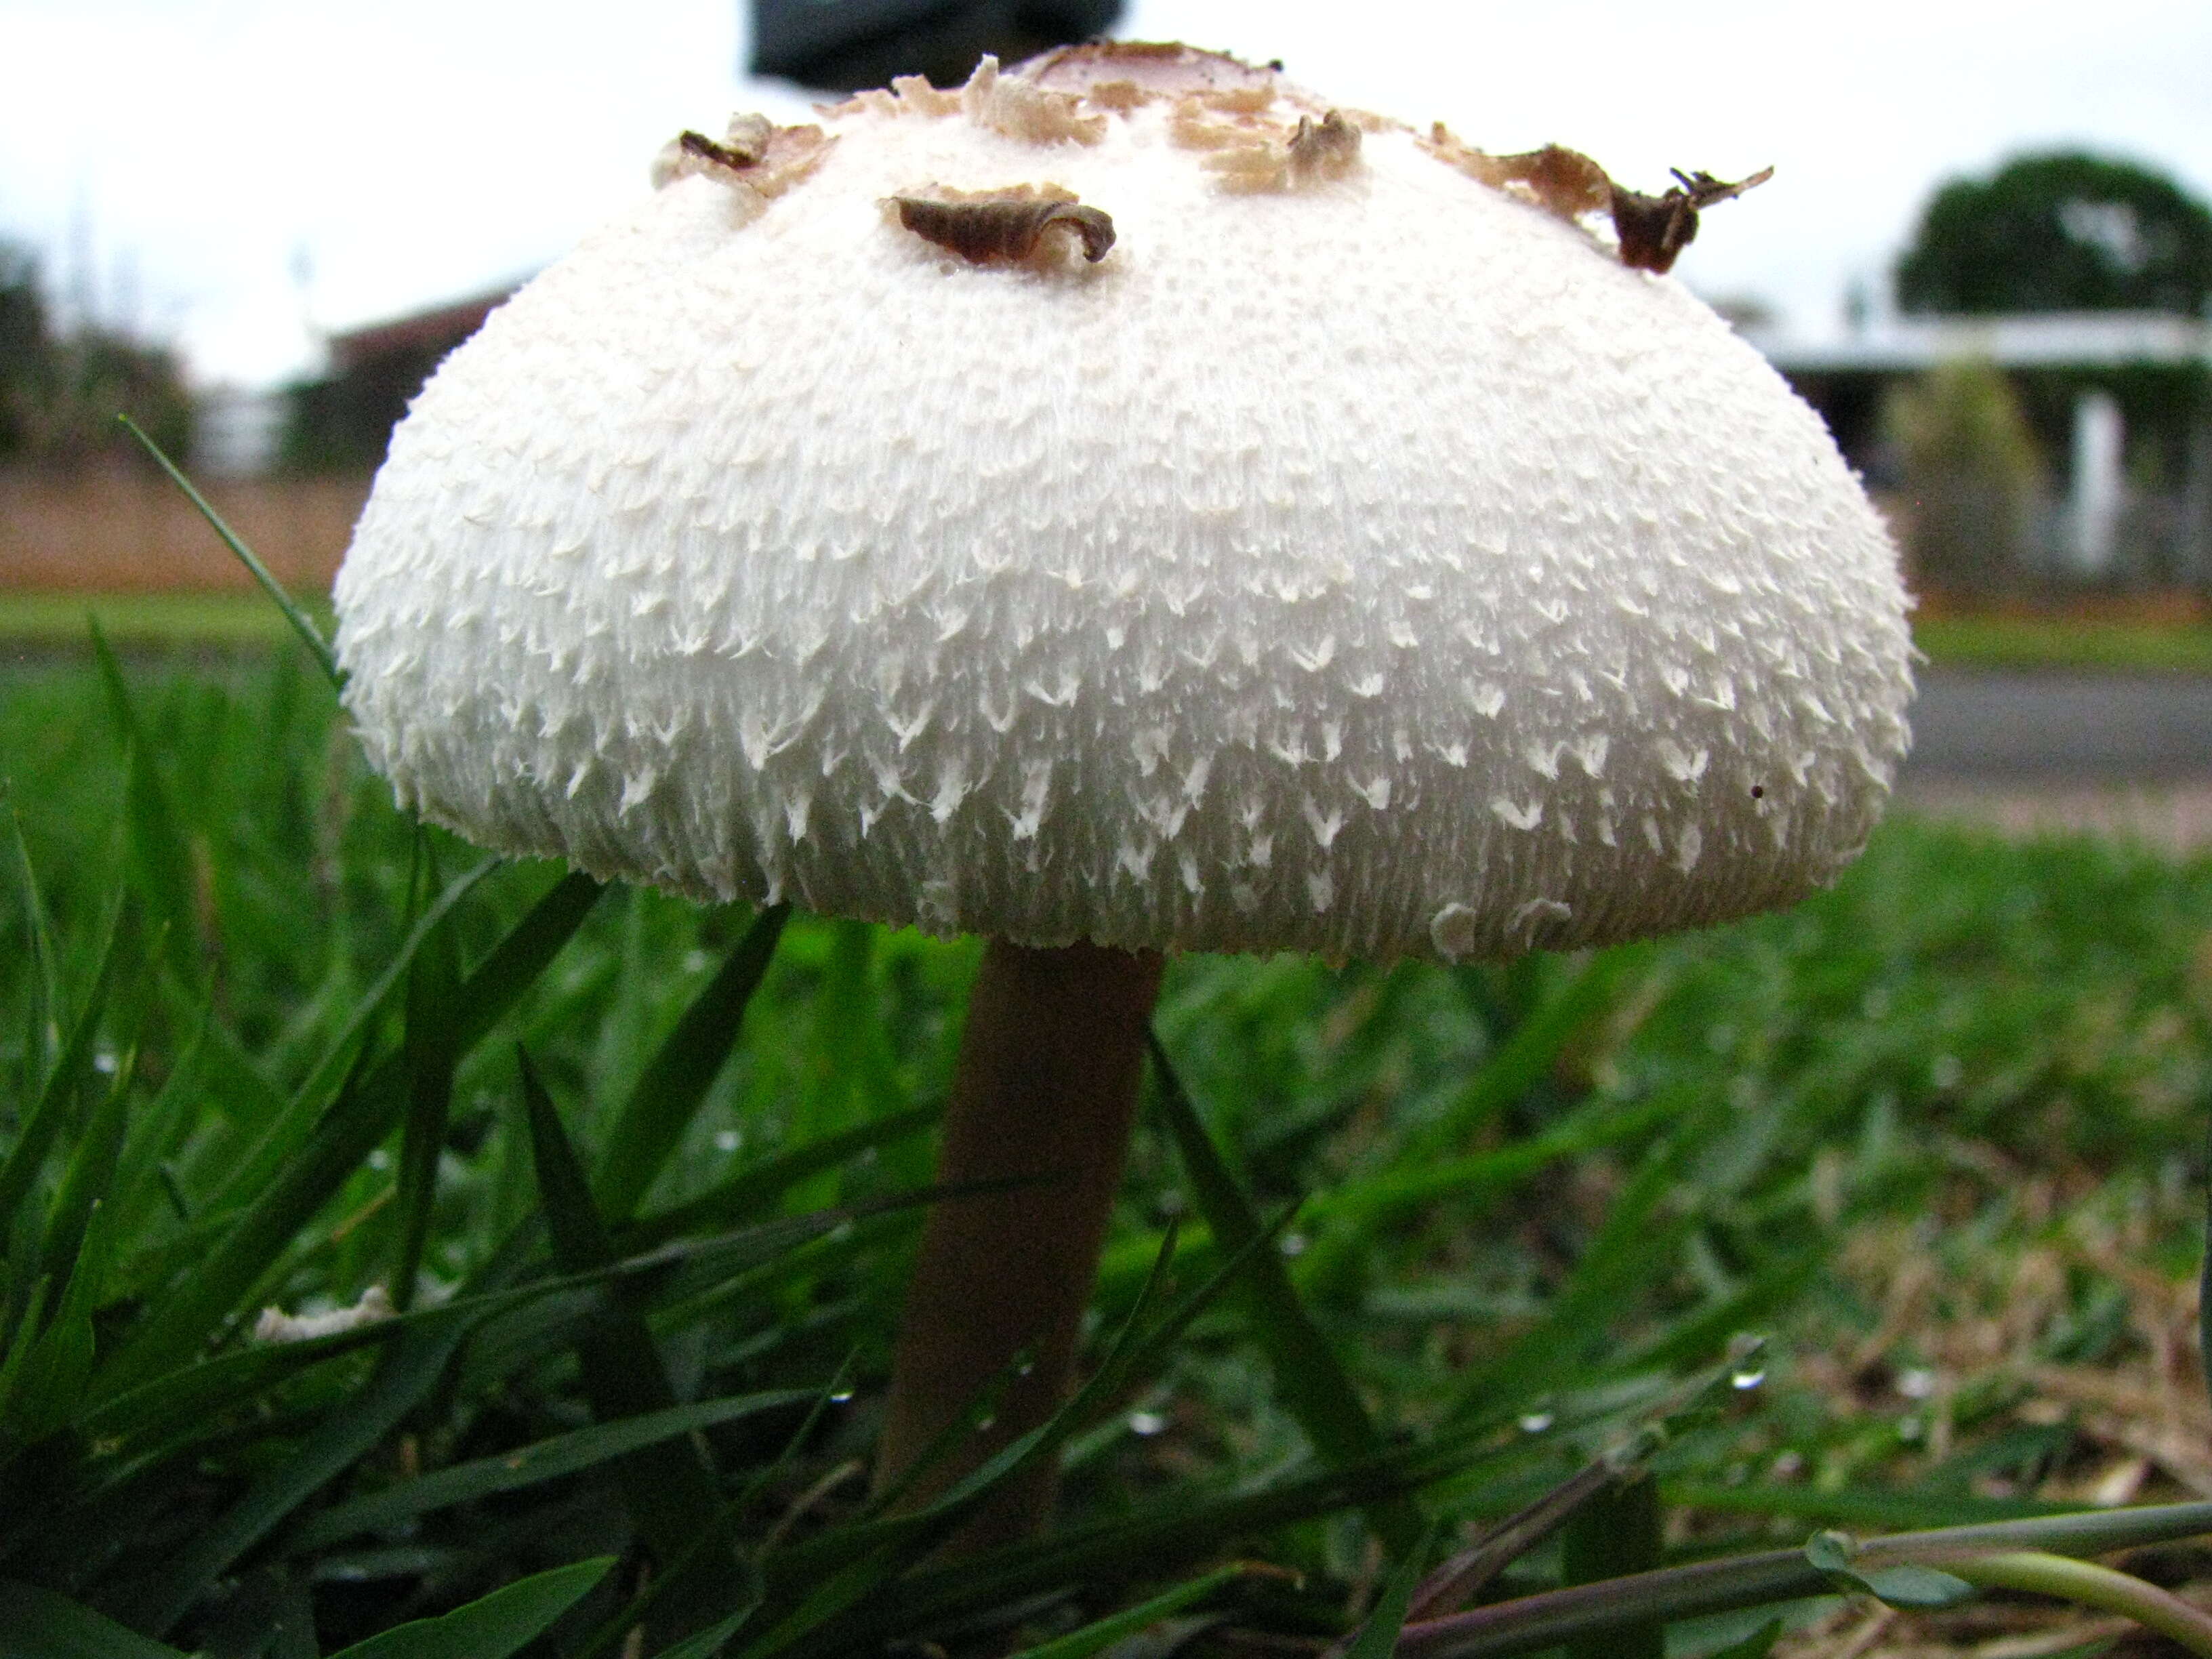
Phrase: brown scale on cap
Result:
[1014,226]
[1017,106]
[1312,153]
[1653,229]
[1326,148]
[755,154]
[1210,121]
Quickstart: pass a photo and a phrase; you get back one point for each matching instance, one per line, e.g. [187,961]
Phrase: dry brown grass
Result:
[122,531]
[1972,1331]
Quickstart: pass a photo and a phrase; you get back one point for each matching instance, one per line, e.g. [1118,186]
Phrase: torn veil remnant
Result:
[1314,152]
[1652,230]
[982,226]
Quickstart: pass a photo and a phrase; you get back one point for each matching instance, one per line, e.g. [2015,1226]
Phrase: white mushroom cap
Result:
[1357,558]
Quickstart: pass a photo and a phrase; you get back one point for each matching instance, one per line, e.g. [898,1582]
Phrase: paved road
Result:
[2061,727]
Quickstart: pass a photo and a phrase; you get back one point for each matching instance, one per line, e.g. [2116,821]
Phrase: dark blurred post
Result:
[842,46]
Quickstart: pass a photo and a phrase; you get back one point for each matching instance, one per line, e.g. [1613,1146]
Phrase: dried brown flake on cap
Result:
[1023,224]
[1019,107]
[907,95]
[1561,181]
[1314,152]
[1653,230]
[1014,105]
[757,159]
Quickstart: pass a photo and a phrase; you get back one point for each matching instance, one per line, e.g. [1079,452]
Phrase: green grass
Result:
[2085,645]
[641,1172]
[58,621]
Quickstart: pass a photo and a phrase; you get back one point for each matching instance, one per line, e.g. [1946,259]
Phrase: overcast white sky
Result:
[186,162]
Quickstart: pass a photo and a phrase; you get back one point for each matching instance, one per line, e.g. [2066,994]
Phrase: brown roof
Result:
[438,330]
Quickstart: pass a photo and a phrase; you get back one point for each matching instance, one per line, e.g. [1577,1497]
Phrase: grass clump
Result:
[1402,1252]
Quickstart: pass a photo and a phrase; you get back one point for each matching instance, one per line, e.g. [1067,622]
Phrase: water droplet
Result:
[1452,930]
[1747,1379]
[1292,1244]
[728,1140]
[1146,1423]
[1536,1422]
[841,1397]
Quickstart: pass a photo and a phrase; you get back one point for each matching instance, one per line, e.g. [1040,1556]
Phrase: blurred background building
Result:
[2036,408]
[2029,395]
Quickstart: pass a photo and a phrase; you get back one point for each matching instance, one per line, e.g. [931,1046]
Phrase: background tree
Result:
[60,391]
[2060,232]
[2069,231]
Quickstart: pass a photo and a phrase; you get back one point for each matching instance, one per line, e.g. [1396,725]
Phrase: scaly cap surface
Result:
[1351,556]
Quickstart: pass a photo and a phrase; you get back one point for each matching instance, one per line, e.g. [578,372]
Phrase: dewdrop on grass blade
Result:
[1124,505]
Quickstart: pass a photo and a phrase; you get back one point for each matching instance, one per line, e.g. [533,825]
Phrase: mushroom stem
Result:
[1044,1096]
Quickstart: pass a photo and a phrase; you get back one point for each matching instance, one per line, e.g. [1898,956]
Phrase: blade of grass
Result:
[87,1178]
[37,1623]
[302,624]
[1525,1058]
[44,1012]
[429,1054]
[844,1069]
[1857,1506]
[1378,1636]
[526,950]
[157,854]
[670,1493]
[2089,1585]
[709,1641]
[52,1393]
[160,1130]
[678,1581]
[1096,1637]
[1165,1532]
[405,1376]
[1366,1200]
[887,1547]
[260,1166]
[492,1627]
[160,1408]
[543,1460]
[2203,1271]
[756,1187]
[1632,1244]
[1616,1533]
[842,1570]
[23,1338]
[19,1170]
[361,1116]
[1312,1385]
[674,1084]
[1531,1623]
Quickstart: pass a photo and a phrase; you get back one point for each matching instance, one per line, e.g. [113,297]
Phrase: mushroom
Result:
[1125,504]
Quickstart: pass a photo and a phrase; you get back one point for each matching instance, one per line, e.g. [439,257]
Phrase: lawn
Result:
[1937,1135]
